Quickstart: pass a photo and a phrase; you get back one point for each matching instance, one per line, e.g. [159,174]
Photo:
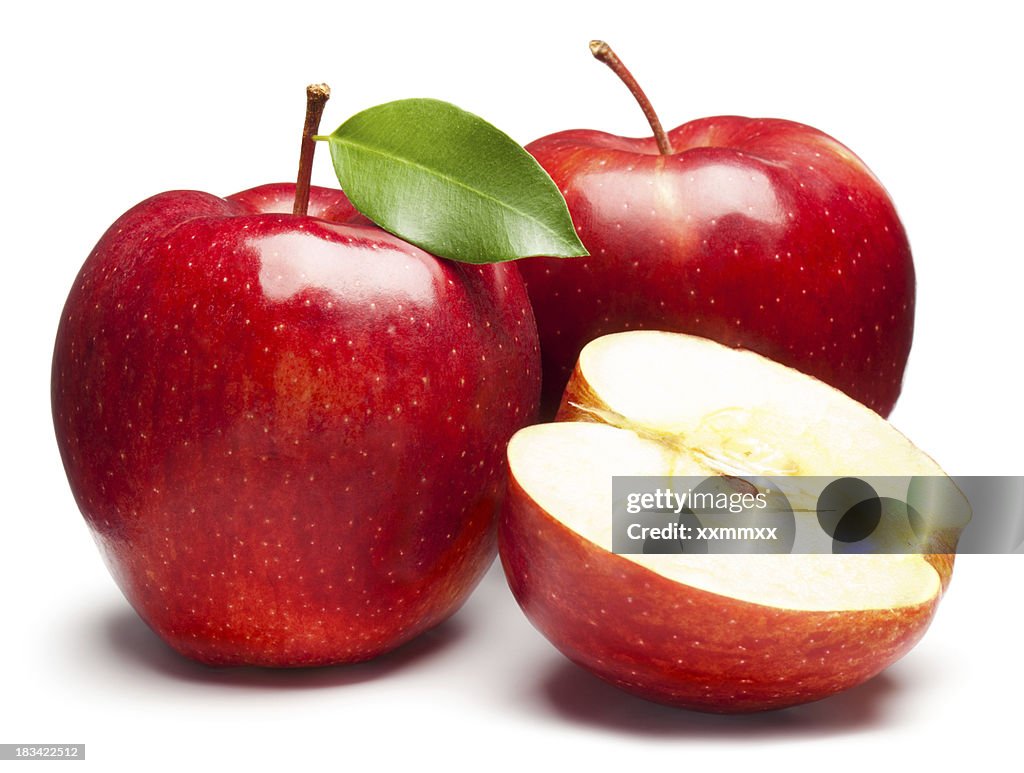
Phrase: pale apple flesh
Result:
[720,633]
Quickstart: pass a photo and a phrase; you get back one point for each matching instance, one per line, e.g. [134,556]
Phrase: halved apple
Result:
[720,633]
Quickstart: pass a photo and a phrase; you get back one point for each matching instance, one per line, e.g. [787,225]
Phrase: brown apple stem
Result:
[317,95]
[603,53]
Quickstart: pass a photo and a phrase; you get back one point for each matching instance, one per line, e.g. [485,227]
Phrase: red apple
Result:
[287,432]
[758,233]
[719,632]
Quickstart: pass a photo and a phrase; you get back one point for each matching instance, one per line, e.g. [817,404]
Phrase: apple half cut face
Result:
[714,632]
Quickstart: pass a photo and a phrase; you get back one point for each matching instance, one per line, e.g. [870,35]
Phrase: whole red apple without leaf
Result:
[758,233]
[287,432]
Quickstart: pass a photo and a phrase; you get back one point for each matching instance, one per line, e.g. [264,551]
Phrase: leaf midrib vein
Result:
[482,194]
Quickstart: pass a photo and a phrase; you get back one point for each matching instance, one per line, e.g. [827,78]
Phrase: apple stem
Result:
[317,95]
[603,53]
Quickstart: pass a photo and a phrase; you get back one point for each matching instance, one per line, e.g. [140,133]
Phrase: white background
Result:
[107,103]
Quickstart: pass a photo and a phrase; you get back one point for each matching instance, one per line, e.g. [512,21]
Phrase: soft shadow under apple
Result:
[131,640]
[578,696]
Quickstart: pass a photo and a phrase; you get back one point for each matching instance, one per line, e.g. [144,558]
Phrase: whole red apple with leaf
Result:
[286,425]
[758,233]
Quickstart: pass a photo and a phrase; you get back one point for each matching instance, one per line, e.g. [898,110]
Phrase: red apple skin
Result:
[681,646]
[287,433]
[758,233]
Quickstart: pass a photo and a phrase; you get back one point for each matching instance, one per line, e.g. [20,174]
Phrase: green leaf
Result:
[450,183]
